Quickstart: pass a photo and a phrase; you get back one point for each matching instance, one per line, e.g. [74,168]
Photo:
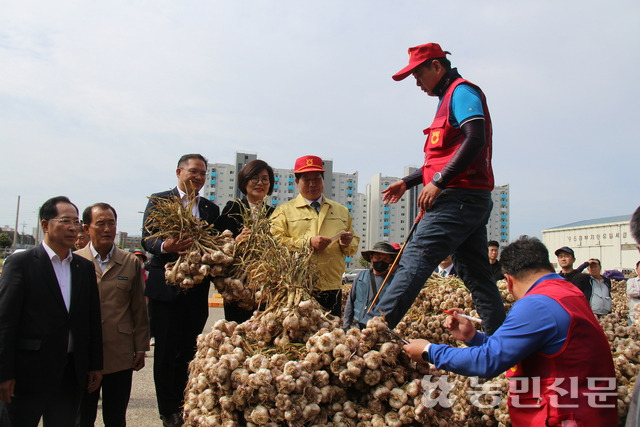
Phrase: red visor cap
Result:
[418,55]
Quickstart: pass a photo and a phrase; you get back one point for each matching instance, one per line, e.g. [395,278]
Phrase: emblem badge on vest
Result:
[435,136]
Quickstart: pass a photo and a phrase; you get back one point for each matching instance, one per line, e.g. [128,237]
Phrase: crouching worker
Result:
[556,356]
[367,283]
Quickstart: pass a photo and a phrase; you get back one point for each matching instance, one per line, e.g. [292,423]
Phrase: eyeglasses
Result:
[256,179]
[67,221]
[195,172]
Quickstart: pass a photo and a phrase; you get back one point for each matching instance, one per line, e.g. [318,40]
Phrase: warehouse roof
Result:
[597,221]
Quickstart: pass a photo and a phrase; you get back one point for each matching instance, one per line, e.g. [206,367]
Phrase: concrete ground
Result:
[143,410]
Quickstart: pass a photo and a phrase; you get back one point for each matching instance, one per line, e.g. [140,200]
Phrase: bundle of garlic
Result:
[425,319]
[292,364]
[259,261]
[209,254]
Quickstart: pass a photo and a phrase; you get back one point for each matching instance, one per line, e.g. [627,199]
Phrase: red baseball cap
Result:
[418,55]
[308,164]
[136,252]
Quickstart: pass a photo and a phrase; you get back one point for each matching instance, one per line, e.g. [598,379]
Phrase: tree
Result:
[363,262]
[5,241]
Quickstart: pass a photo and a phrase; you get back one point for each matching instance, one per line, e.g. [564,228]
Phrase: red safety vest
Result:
[578,382]
[443,140]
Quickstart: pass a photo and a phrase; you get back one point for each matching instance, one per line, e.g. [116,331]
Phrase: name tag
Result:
[123,278]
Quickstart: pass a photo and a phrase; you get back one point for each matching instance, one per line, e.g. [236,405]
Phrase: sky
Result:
[99,99]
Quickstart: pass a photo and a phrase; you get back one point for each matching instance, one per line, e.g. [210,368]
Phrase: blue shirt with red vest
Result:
[550,333]
[520,335]
[460,102]
[466,104]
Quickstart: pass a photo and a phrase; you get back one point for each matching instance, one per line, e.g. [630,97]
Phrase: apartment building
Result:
[373,221]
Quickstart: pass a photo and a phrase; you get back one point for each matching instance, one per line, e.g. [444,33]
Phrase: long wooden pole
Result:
[15,229]
[395,261]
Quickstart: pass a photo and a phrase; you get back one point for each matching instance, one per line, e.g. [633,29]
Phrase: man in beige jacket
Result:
[125,326]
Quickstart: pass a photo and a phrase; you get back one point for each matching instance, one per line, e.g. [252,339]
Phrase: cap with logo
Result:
[418,55]
[308,164]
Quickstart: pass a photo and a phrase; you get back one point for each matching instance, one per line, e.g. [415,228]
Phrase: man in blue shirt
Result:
[549,331]
[456,197]
[520,335]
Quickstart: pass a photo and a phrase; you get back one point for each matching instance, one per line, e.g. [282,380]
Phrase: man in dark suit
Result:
[177,316]
[50,332]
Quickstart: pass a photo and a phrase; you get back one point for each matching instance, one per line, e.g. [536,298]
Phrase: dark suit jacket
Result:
[156,287]
[232,214]
[35,324]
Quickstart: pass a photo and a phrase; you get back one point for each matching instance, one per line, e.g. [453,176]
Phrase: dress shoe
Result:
[173,420]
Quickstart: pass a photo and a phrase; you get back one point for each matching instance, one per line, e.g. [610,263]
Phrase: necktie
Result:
[316,206]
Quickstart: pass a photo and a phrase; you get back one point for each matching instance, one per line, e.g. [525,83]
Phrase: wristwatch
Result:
[425,353]
[437,178]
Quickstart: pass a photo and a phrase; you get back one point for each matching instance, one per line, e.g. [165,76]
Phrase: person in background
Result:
[446,267]
[600,300]
[633,416]
[177,316]
[566,258]
[255,181]
[560,348]
[50,333]
[142,257]
[456,198]
[494,264]
[125,325]
[633,292]
[367,282]
[82,240]
[312,220]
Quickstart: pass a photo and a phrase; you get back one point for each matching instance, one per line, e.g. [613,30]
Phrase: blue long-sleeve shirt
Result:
[534,323]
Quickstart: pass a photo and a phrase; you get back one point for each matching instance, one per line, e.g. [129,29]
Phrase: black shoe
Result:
[173,420]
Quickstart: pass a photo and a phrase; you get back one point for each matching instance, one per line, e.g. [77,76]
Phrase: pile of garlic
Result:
[624,341]
[352,378]
[425,319]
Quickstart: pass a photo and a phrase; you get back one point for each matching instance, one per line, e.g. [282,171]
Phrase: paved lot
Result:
[143,411]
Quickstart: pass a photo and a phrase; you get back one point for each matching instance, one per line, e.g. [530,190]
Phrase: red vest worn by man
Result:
[578,382]
[443,140]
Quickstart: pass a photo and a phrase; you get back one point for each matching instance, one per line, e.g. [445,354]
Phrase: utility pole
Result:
[15,229]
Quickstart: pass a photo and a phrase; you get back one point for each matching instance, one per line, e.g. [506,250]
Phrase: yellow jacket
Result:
[294,223]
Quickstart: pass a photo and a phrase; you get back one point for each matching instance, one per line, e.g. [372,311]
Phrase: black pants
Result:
[330,300]
[116,390]
[57,406]
[176,325]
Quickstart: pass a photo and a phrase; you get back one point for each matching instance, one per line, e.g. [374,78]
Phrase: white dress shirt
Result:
[185,201]
[103,263]
[445,272]
[62,268]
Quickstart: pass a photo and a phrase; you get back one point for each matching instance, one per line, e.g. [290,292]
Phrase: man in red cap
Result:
[326,226]
[456,198]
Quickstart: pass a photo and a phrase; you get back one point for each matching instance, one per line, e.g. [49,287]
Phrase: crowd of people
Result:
[74,325]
